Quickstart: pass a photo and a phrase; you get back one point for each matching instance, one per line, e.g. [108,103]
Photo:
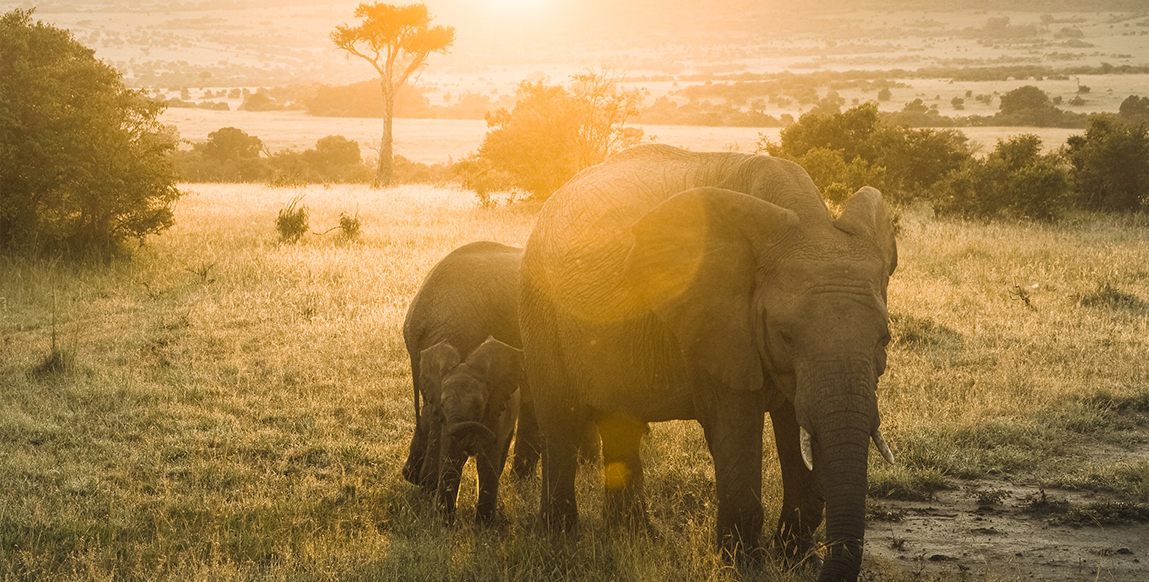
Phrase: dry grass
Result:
[239,409]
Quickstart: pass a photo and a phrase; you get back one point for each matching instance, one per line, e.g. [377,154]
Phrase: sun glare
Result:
[519,4]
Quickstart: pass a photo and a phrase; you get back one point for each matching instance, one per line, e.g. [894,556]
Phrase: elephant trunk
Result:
[843,466]
[470,429]
[845,417]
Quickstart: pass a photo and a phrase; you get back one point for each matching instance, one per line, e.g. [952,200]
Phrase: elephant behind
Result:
[469,296]
[665,284]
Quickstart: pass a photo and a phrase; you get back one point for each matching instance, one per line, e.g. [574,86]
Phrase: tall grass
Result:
[239,409]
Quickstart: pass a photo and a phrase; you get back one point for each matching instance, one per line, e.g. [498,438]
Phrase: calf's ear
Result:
[433,361]
[503,367]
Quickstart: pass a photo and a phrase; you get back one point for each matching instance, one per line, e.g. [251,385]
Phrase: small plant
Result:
[350,226]
[292,221]
[1023,294]
[58,360]
[990,496]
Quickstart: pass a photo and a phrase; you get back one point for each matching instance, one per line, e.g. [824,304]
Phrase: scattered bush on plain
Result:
[903,163]
[292,222]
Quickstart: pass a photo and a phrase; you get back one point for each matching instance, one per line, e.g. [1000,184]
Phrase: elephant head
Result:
[468,397]
[759,299]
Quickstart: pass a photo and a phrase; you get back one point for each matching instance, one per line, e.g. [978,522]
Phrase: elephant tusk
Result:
[807,448]
[883,448]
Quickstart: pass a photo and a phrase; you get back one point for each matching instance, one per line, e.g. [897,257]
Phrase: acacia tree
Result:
[396,40]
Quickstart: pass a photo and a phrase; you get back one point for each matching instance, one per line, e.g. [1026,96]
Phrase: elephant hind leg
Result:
[624,503]
[560,465]
[528,442]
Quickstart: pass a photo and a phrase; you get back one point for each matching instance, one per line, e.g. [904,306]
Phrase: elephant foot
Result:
[492,520]
[796,553]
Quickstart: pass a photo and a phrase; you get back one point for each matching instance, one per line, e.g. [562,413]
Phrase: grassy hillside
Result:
[226,407]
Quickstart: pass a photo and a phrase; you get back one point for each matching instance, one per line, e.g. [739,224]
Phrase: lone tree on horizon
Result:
[396,40]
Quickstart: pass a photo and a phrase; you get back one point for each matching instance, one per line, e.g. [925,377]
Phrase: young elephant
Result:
[470,296]
[474,403]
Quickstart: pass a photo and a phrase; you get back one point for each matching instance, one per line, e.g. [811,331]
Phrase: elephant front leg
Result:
[802,501]
[450,473]
[488,505]
[624,504]
[733,425]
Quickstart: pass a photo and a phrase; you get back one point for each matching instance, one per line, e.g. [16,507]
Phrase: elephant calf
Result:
[462,335]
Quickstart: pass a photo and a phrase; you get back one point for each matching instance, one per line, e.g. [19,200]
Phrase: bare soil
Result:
[956,535]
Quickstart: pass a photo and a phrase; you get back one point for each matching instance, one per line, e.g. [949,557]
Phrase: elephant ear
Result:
[433,361]
[695,261]
[865,215]
[503,368]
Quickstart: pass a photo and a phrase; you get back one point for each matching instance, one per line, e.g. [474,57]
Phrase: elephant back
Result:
[576,252]
[469,295]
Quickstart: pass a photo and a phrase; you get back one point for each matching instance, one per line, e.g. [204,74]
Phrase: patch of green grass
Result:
[1103,513]
[1125,478]
[905,484]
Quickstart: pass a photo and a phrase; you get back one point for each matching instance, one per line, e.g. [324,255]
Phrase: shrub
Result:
[84,162]
[1016,180]
[1110,165]
[333,159]
[350,226]
[1134,108]
[292,222]
[228,155]
[1030,106]
[905,163]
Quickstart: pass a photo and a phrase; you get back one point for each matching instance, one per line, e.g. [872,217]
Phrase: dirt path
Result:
[955,534]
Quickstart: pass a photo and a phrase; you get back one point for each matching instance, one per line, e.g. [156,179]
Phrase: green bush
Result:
[903,163]
[1110,165]
[84,162]
[1016,181]
[334,159]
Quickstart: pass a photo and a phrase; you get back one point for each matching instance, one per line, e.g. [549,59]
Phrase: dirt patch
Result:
[1002,530]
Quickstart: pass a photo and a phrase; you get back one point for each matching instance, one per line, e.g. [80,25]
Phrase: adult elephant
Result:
[664,284]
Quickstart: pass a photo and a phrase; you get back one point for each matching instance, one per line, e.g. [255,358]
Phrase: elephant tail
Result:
[415,383]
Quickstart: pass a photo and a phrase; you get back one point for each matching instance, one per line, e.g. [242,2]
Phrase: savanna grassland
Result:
[222,406]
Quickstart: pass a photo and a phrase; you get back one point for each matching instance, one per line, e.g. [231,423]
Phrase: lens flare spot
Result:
[617,475]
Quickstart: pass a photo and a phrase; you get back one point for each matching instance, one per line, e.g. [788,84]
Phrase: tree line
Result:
[85,165]
[1104,169]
